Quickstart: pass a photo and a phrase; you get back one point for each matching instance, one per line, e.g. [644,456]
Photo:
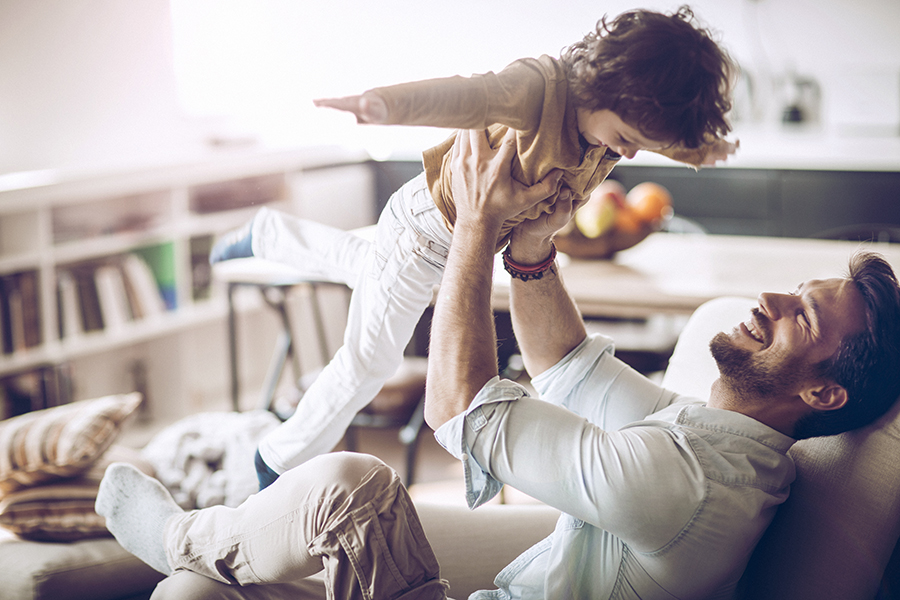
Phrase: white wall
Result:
[86,82]
[92,82]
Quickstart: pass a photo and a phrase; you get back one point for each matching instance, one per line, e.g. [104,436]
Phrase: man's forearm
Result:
[546,322]
[462,356]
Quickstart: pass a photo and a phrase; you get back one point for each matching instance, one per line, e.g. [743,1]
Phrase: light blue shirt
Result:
[668,505]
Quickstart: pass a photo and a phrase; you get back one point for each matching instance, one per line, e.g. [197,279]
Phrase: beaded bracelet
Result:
[528,272]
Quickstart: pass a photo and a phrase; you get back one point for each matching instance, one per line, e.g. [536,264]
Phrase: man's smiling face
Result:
[776,350]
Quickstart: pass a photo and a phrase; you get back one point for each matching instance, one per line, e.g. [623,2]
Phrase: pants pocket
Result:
[378,550]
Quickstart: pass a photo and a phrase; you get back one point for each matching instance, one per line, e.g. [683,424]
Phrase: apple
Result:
[650,202]
[646,203]
[598,214]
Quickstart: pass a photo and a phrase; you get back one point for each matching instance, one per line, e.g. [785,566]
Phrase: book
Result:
[31,308]
[112,296]
[69,306]
[146,299]
[6,410]
[16,314]
[57,384]
[24,392]
[91,315]
[5,335]
[35,389]
[201,270]
[161,260]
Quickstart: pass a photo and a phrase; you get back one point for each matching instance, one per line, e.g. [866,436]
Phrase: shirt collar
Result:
[700,416]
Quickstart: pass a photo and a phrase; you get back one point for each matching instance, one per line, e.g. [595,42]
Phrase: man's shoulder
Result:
[734,448]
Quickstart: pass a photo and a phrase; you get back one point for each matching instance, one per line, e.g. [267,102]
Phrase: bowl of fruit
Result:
[613,219]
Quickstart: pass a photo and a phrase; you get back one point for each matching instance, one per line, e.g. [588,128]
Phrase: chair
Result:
[399,404]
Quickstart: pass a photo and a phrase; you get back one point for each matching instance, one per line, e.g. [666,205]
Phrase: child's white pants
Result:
[393,280]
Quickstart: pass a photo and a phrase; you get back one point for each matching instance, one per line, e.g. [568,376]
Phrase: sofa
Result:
[832,539]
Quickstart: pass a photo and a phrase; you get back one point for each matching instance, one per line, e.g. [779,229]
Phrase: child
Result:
[644,81]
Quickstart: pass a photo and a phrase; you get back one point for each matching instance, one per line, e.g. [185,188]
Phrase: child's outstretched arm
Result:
[368,107]
[706,155]
[514,97]
[719,150]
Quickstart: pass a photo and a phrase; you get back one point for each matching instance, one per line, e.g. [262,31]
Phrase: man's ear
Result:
[825,396]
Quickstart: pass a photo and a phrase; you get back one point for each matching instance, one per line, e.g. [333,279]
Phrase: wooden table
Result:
[676,273]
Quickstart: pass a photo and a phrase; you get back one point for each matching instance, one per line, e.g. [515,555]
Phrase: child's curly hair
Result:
[659,73]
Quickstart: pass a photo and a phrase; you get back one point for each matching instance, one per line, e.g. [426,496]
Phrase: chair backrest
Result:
[834,535]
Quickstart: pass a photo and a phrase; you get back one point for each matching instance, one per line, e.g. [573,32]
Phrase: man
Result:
[669,505]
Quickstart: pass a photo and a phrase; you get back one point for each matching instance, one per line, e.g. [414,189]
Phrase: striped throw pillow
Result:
[58,442]
[63,510]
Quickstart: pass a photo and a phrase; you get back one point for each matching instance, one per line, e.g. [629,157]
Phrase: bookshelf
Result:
[105,273]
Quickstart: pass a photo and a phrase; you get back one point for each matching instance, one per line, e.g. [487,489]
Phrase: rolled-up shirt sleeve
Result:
[455,433]
[591,382]
[513,97]
[552,449]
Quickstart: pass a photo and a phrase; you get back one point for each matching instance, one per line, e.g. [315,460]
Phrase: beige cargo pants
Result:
[340,526]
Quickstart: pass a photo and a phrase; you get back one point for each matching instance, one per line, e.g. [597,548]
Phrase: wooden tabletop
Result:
[676,273]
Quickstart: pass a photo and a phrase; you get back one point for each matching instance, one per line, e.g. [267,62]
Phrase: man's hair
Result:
[866,364]
[661,74]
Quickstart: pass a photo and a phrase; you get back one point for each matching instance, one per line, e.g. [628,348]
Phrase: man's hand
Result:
[546,225]
[368,108]
[463,352]
[483,188]
[530,241]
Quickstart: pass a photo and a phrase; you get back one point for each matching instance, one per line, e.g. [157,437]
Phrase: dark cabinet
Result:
[774,202]
[790,203]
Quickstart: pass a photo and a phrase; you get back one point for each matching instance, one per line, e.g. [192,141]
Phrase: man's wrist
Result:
[528,272]
[528,250]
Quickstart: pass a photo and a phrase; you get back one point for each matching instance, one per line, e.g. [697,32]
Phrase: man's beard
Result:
[749,373]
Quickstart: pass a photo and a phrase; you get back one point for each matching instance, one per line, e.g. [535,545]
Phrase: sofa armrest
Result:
[473,546]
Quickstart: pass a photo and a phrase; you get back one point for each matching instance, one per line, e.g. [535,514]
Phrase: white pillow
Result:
[691,369]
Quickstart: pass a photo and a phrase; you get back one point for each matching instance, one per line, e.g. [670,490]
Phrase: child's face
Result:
[605,128]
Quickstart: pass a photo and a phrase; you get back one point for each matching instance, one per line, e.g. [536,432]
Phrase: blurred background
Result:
[94,84]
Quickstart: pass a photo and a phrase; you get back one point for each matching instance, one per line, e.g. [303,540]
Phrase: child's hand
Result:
[368,108]
[719,150]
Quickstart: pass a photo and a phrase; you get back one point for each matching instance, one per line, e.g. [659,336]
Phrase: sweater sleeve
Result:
[690,156]
[512,97]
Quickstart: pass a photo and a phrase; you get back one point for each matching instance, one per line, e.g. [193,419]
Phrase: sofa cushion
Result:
[97,569]
[63,510]
[59,442]
[833,537]
[500,534]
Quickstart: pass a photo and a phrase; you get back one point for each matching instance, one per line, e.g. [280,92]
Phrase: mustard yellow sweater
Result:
[530,96]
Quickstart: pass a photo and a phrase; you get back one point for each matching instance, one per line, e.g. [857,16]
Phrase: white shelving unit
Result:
[168,214]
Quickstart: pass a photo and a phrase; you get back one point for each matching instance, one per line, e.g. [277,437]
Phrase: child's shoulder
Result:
[548,67]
